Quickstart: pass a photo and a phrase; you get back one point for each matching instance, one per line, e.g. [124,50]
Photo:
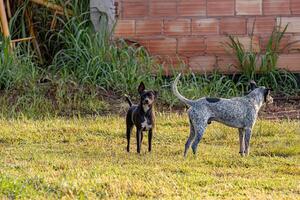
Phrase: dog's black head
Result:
[265,91]
[147,96]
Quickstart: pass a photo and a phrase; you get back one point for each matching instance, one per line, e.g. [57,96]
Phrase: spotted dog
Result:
[142,116]
[239,112]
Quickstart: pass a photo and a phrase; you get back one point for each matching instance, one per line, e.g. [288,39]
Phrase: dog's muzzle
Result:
[147,101]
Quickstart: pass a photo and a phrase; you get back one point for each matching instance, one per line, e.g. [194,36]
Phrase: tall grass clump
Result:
[16,68]
[93,59]
[247,60]
[262,66]
[19,83]
[17,60]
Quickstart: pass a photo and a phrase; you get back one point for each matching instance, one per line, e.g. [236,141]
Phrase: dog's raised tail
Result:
[128,100]
[178,95]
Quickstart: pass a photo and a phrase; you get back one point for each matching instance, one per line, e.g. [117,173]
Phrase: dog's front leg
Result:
[242,141]
[247,140]
[138,139]
[149,140]
[142,135]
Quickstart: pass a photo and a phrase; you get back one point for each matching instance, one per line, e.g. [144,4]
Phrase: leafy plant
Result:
[262,66]
[16,68]
[93,59]
[247,59]
[268,59]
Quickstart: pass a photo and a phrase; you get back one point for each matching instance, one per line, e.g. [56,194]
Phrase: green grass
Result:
[86,158]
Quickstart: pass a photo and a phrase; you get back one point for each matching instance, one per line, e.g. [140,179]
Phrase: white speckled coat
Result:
[239,112]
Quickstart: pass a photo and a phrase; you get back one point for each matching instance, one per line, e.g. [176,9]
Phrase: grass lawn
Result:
[86,158]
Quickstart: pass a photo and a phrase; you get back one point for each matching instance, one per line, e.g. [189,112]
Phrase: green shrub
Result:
[92,59]
[262,66]
[16,68]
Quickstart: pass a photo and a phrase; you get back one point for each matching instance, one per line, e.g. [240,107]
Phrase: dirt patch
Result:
[282,108]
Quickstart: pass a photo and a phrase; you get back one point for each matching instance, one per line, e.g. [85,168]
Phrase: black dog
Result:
[142,116]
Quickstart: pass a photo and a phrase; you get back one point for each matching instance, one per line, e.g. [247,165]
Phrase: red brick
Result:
[246,42]
[177,27]
[282,46]
[294,42]
[293,24]
[165,8]
[202,64]
[215,44]
[208,26]
[295,6]
[140,42]
[276,7]
[262,25]
[190,46]
[227,64]
[148,27]
[233,26]
[248,7]
[135,8]
[220,8]
[192,8]
[162,46]
[125,28]
[289,62]
[174,60]
[284,43]
[172,64]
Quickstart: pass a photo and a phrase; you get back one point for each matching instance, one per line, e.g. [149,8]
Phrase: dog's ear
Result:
[268,91]
[141,87]
[253,85]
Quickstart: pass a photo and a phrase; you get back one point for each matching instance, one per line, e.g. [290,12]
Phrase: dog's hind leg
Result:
[128,133]
[247,140]
[190,139]
[242,141]
[199,130]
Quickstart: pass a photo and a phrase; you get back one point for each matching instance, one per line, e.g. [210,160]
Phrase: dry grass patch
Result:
[86,158]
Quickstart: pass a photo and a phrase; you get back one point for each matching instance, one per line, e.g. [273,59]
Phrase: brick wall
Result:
[194,30]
